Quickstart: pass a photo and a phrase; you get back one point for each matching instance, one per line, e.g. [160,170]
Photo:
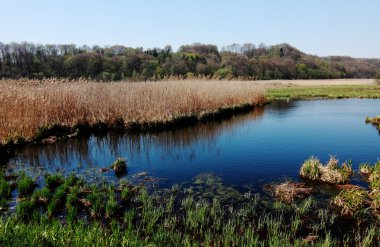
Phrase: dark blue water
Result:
[267,144]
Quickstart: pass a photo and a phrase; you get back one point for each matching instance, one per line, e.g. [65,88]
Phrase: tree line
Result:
[125,63]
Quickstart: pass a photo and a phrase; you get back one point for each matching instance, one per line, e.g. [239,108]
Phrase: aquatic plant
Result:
[375,200]
[351,201]
[41,196]
[374,178]
[53,181]
[365,169]
[5,188]
[313,169]
[125,194]
[112,207]
[119,166]
[375,121]
[288,192]
[68,104]
[25,185]
[24,211]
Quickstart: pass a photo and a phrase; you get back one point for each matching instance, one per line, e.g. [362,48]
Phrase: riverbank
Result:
[326,92]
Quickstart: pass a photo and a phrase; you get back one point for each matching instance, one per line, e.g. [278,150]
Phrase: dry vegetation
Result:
[27,105]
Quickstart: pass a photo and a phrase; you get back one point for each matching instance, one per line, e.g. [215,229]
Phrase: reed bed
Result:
[27,105]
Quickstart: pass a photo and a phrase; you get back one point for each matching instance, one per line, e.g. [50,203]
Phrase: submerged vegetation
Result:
[203,213]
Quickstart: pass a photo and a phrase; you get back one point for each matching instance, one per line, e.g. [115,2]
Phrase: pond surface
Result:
[268,144]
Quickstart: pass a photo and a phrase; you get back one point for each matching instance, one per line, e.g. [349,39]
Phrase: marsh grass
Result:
[375,121]
[313,169]
[119,166]
[374,178]
[5,188]
[351,201]
[25,185]
[365,169]
[39,109]
[331,92]
[174,217]
[53,181]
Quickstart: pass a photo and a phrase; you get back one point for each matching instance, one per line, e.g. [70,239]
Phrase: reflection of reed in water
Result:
[90,151]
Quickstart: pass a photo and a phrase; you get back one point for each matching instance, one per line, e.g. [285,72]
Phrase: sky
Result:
[323,27]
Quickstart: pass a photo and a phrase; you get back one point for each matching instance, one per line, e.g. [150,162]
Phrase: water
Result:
[268,144]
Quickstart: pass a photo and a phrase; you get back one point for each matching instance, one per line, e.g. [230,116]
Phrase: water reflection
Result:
[92,151]
[266,144]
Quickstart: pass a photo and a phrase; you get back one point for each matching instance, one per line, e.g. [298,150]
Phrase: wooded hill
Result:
[124,63]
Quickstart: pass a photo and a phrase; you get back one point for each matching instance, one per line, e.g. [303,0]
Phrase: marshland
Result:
[188,163]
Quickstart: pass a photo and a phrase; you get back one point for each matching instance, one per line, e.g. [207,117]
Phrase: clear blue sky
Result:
[323,27]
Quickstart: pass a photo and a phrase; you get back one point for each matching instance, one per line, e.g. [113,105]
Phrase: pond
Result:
[267,144]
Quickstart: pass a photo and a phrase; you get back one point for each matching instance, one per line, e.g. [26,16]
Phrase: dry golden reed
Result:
[26,105]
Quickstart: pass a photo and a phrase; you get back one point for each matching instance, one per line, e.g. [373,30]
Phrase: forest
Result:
[247,61]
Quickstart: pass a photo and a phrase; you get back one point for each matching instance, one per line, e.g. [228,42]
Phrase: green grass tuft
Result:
[25,185]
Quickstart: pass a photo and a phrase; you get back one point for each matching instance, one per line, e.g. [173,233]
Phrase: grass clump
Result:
[365,169]
[24,211]
[5,188]
[375,203]
[311,168]
[351,201]
[41,196]
[119,166]
[375,121]
[25,185]
[374,178]
[53,181]
[332,173]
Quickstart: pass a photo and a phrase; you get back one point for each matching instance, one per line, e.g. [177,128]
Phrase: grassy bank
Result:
[70,212]
[330,92]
